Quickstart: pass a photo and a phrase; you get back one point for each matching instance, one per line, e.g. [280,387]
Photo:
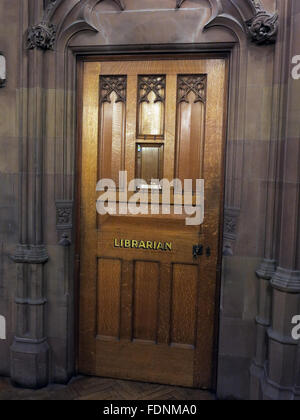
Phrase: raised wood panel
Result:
[184,304]
[146,297]
[112,140]
[108,298]
[189,143]
[149,162]
[151,109]
[127,300]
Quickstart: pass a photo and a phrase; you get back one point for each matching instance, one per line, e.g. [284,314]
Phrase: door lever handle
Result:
[197,250]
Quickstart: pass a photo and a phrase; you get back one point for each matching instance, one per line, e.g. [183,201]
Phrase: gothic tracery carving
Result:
[110,84]
[155,84]
[195,83]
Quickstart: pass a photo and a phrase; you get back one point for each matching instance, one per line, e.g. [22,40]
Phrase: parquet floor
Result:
[88,388]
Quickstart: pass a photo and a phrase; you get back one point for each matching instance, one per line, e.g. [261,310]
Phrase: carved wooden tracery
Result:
[155,84]
[192,83]
[110,84]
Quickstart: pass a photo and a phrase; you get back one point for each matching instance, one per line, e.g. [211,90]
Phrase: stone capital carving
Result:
[41,36]
[263,27]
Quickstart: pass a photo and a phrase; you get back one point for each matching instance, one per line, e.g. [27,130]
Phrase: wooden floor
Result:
[86,388]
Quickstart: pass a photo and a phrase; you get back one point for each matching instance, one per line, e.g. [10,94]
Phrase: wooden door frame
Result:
[120,55]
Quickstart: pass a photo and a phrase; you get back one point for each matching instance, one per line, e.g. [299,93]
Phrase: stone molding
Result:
[250,19]
[266,270]
[30,254]
[273,391]
[262,27]
[286,280]
[280,338]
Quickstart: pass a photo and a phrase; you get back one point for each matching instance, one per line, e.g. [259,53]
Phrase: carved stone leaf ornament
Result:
[263,27]
[41,36]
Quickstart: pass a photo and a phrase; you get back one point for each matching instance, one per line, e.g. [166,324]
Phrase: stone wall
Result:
[10,46]
[37,135]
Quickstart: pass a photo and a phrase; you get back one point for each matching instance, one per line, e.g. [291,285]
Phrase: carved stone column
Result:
[30,351]
[281,376]
[268,266]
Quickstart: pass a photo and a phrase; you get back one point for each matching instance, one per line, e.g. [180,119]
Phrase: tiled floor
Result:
[87,388]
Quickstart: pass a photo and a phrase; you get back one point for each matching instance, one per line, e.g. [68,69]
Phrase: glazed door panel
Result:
[147,303]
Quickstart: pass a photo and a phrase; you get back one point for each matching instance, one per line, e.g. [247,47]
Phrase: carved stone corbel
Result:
[263,27]
[64,221]
[230,230]
[41,36]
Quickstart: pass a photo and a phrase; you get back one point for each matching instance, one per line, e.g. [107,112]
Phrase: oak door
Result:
[147,299]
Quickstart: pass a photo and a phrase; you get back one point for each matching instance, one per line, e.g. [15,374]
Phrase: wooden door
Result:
[147,304]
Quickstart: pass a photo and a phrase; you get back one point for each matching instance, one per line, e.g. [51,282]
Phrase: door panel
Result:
[147,305]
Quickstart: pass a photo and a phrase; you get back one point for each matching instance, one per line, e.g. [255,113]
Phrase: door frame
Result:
[132,53]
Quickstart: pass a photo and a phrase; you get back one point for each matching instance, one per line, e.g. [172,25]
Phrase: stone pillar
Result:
[281,374]
[30,351]
[267,268]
